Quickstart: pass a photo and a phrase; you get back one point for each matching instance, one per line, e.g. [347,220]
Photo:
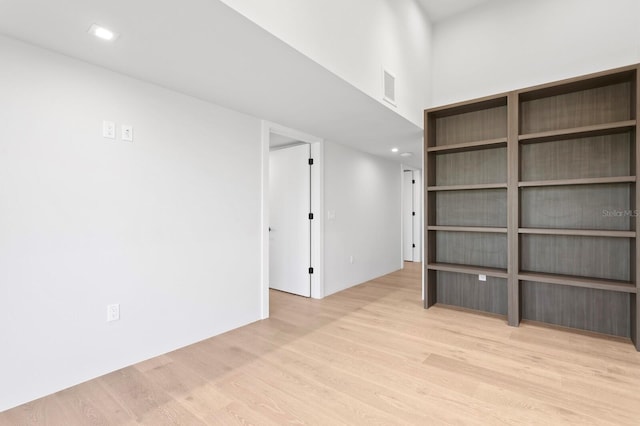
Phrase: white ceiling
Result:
[438,10]
[205,49]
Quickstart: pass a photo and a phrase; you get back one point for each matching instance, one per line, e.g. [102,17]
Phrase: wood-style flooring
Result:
[370,355]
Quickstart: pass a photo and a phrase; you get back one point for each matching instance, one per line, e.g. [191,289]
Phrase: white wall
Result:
[513,44]
[355,39]
[169,226]
[364,193]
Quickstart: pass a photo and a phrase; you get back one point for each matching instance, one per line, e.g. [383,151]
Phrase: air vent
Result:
[389,87]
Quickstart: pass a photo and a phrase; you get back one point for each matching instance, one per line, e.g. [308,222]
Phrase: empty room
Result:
[357,212]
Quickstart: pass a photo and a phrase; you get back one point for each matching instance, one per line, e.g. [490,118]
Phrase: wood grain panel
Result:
[605,207]
[602,156]
[635,203]
[575,109]
[472,167]
[467,291]
[587,309]
[597,257]
[471,208]
[469,248]
[429,209]
[513,213]
[471,126]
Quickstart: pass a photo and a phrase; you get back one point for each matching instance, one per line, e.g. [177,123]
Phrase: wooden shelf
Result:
[468,229]
[468,187]
[579,132]
[584,181]
[600,284]
[466,269]
[578,232]
[469,146]
[562,152]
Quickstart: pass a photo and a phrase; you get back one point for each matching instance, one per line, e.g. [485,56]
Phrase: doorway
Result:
[275,134]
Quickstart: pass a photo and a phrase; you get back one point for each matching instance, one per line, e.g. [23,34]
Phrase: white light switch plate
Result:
[113,312]
[127,133]
[109,129]
[482,277]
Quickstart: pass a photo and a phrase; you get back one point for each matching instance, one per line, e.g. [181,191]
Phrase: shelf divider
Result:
[467,187]
[490,230]
[467,269]
[583,181]
[469,146]
[578,232]
[579,132]
[600,284]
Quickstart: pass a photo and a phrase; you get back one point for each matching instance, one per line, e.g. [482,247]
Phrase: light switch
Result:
[482,277]
[109,129]
[127,133]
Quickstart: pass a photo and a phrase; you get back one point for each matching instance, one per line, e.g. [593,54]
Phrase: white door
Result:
[417,219]
[411,214]
[408,216]
[289,224]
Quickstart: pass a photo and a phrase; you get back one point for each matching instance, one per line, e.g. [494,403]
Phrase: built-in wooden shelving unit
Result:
[536,189]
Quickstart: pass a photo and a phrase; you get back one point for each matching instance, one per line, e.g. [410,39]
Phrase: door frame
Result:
[317,225]
[421,216]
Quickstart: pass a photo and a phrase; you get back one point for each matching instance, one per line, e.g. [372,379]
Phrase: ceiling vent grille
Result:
[389,87]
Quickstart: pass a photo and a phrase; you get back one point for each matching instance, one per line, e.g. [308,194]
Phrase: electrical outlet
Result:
[127,133]
[482,277]
[109,129]
[113,312]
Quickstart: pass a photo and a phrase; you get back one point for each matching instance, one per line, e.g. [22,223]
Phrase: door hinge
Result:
[311,270]
[413,181]
[310,216]
[413,213]
[413,245]
[311,161]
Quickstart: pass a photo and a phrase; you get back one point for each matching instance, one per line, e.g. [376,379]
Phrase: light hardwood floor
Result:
[369,355]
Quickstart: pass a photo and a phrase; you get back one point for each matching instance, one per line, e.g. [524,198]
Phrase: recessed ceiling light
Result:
[394,149]
[406,154]
[103,33]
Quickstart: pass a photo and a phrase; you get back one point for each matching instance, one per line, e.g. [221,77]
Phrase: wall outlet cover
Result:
[113,312]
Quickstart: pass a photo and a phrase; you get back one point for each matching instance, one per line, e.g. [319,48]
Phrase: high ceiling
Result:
[438,10]
[219,56]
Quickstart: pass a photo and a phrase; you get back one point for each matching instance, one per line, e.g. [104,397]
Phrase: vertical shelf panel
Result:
[513,209]
[429,277]
[635,204]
